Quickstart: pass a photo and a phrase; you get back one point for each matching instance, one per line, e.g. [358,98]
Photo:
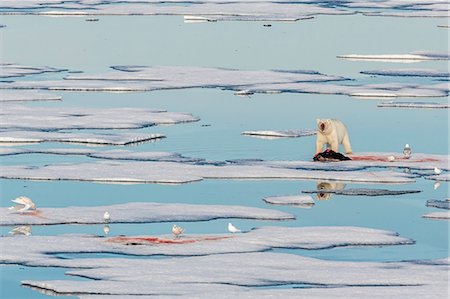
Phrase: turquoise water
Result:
[92,47]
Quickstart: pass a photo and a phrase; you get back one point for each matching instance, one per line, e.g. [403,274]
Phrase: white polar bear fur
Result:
[332,132]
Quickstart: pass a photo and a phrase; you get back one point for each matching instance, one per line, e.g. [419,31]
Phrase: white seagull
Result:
[437,170]
[232,228]
[21,230]
[106,217]
[407,151]
[23,204]
[177,230]
[391,158]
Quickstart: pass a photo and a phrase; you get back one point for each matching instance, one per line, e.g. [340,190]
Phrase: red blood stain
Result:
[155,240]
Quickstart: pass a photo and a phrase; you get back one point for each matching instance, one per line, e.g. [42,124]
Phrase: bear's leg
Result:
[319,146]
[334,146]
[346,144]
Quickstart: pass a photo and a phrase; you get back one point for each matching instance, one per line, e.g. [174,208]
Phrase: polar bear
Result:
[332,132]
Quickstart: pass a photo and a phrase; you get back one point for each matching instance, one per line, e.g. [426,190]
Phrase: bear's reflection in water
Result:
[328,186]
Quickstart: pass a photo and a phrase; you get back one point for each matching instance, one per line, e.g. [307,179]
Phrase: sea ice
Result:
[82,138]
[438,215]
[26,96]
[139,212]
[170,172]
[246,273]
[424,105]
[281,133]
[8,70]
[412,57]
[45,119]
[294,200]
[363,192]
[409,72]
[440,204]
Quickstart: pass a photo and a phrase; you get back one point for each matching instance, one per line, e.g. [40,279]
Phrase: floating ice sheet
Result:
[423,105]
[408,72]
[20,137]
[281,133]
[142,78]
[364,192]
[43,250]
[139,212]
[8,70]
[293,200]
[412,57]
[244,273]
[440,204]
[26,96]
[168,172]
[45,119]
[438,215]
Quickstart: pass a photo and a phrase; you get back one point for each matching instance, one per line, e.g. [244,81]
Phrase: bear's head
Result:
[324,125]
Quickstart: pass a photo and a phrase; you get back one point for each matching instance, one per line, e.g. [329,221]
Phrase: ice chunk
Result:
[280,134]
[412,57]
[8,70]
[82,138]
[43,250]
[363,192]
[440,204]
[438,215]
[426,105]
[140,212]
[26,95]
[43,118]
[294,200]
[170,172]
[409,72]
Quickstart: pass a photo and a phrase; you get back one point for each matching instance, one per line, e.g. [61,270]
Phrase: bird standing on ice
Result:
[437,170]
[23,204]
[407,151]
[233,229]
[106,217]
[177,230]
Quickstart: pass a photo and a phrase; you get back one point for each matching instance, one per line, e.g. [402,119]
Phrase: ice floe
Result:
[363,192]
[412,57]
[142,78]
[44,250]
[425,105]
[45,119]
[8,70]
[292,200]
[438,215]
[139,212]
[21,137]
[408,72]
[440,204]
[280,133]
[246,274]
[170,172]
[26,96]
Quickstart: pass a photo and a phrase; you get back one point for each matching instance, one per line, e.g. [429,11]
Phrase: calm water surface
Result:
[70,42]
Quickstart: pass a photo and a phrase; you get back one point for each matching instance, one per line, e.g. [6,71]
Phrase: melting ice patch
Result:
[8,70]
[423,105]
[408,72]
[171,172]
[44,118]
[41,250]
[293,200]
[142,212]
[280,133]
[244,272]
[21,137]
[26,96]
[405,58]
[363,192]
[440,204]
